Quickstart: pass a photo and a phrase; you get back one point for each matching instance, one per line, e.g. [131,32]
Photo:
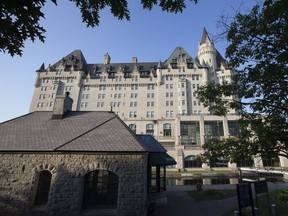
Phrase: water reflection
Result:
[172,181]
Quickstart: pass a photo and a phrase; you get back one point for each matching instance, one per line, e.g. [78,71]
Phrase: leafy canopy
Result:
[258,47]
[20,18]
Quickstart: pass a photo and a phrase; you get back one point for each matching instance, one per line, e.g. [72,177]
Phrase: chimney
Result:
[63,104]
[134,60]
[106,59]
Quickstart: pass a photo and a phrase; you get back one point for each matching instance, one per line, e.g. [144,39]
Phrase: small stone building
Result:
[77,163]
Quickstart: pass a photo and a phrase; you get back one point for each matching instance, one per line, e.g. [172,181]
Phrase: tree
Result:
[258,47]
[20,18]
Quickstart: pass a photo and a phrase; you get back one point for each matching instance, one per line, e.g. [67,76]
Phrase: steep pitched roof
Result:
[179,52]
[75,59]
[205,37]
[78,131]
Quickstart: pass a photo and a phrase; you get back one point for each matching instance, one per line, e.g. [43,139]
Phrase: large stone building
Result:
[78,163]
[157,98]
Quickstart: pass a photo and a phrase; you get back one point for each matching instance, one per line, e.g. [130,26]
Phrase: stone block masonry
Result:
[18,182]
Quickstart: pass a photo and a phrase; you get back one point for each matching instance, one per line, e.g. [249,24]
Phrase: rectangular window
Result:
[171,94]
[167,103]
[148,104]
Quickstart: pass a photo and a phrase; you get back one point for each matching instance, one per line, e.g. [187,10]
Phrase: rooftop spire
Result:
[205,37]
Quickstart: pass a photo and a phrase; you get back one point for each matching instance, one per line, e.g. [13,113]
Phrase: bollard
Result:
[236,213]
[274,209]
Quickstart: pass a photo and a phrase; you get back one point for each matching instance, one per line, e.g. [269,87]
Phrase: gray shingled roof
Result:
[78,131]
[179,52]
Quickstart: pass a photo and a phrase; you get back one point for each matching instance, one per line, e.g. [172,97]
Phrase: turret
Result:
[207,52]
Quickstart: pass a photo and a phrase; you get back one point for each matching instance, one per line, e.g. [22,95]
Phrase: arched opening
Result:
[43,188]
[100,190]
[150,129]
[133,127]
[192,161]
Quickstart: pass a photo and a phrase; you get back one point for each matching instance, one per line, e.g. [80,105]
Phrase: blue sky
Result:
[149,35]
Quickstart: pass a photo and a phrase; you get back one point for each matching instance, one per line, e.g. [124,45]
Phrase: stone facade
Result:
[18,173]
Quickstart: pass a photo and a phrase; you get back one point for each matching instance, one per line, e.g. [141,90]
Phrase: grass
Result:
[211,194]
[264,210]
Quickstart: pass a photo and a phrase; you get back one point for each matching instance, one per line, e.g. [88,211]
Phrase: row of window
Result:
[46,80]
[194,161]
[150,129]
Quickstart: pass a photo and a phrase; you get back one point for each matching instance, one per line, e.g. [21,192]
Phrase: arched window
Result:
[150,129]
[133,127]
[271,161]
[167,129]
[43,188]
[192,161]
[100,190]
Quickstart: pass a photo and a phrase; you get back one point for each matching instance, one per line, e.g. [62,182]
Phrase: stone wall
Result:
[18,182]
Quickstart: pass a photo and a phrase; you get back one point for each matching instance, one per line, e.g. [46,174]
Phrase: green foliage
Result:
[19,22]
[20,18]
[283,196]
[258,48]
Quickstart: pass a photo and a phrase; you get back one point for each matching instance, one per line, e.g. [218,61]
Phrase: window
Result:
[167,129]
[192,161]
[271,161]
[150,129]
[167,86]
[171,94]
[43,188]
[213,129]
[150,114]
[100,190]
[167,103]
[84,104]
[219,162]
[190,133]
[157,181]
[233,128]
[133,127]
[86,88]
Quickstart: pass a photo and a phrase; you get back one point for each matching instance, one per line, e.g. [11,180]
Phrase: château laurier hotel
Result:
[157,98]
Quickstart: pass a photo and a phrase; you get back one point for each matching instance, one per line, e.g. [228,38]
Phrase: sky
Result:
[149,35]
